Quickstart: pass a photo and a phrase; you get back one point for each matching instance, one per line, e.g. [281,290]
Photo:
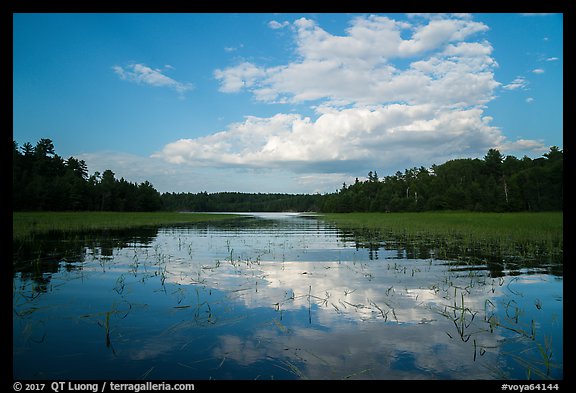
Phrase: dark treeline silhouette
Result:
[241,202]
[42,180]
[494,184]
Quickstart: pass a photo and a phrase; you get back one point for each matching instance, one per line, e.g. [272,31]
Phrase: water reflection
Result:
[278,296]
[48,253]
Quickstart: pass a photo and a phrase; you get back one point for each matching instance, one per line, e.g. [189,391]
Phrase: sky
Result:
[289,103]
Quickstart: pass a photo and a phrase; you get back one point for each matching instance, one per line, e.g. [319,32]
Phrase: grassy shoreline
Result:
[527,234]
[519,226]
[500,233]
[26,224]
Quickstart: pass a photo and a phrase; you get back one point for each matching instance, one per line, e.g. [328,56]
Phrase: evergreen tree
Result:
[42,180]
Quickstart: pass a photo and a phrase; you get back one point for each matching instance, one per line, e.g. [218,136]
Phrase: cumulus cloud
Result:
[358,68]
[348,138]
[387,93]
[144,75]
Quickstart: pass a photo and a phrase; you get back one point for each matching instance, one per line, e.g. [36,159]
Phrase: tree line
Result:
[494,183]
[42,180]
[241,202]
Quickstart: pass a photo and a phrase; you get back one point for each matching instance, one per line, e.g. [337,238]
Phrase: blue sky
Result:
[295,103]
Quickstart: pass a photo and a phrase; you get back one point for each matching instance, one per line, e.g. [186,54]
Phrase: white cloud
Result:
[277,25]
[358,68]
[387,95]
[524,145]
[518,83]
[438,32]
[241,76]
[552,59]
[142,74]
[340,141]
[538,71]
[530,100]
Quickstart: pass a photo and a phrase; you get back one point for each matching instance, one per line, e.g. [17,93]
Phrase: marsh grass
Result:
[502,317]
[499,224]
[469,323]
[470,235]
[26,224]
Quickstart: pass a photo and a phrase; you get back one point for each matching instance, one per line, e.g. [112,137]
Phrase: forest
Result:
[42,180]
[241,202]
[494,183]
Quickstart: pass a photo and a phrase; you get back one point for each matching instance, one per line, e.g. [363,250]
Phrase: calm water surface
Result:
[276,296]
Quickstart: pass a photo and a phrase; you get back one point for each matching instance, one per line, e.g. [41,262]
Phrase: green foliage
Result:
[495,184]
[240,202]
[42,180]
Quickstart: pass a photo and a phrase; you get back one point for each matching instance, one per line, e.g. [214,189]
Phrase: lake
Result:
[276,296]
